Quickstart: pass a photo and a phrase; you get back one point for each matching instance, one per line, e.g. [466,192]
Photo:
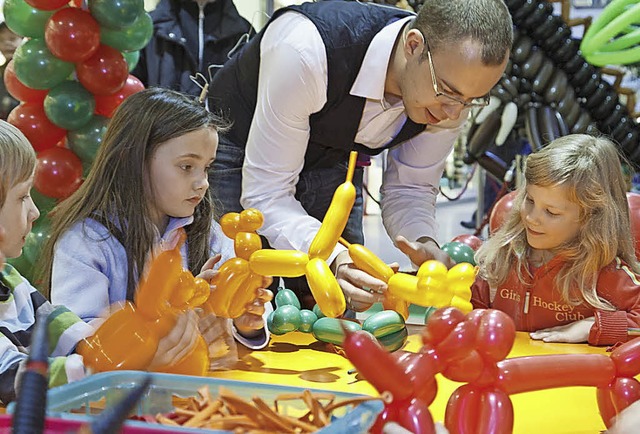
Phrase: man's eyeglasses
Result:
[446,98]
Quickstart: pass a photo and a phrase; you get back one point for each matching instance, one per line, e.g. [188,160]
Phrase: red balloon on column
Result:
[500,211]
[107,104]
[634,215]
[72,34]
[31,119]
[58,173]
[47,5]
[18,90]
[105,72]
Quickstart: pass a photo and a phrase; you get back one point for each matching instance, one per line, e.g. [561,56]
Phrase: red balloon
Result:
[47,5]
[72,35]
[58,173]
[104,73]
[500,211]
[31,119]
[470,240]
[18,90]
[107,104]
[634,215]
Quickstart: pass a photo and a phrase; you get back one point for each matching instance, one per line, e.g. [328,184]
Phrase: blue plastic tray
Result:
[72,401]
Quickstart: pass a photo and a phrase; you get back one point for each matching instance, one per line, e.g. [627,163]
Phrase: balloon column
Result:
[472,349]
[69,75]
[548,90]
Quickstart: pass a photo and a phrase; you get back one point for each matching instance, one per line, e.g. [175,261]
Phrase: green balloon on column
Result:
[85,141]
[69,105]
[116,14]
[131,38]
[44,203]
[24,267]
[132,58]
[35,240]
[25,20]
[37,68]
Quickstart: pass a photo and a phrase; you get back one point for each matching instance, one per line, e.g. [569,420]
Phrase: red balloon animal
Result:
[472,349]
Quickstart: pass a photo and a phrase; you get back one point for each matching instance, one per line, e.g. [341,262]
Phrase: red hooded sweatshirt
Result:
[535,303]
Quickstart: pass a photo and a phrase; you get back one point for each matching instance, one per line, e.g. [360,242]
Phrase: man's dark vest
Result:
[347,29]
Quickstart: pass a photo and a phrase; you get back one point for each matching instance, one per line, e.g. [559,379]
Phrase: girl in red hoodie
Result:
[563,265]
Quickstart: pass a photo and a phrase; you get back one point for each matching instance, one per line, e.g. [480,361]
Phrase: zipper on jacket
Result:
[527,295]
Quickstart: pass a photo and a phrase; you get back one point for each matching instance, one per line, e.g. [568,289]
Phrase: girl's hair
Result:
[591,169]
[116,192]
[450,22]
[17,159]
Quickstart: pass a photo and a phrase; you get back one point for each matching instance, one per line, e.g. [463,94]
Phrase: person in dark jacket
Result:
[188,37]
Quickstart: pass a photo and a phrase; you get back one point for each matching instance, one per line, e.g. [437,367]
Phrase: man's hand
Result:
[572,333]
[422,250]
[360,289]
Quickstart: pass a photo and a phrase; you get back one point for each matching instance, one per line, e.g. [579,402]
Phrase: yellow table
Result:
[297,359]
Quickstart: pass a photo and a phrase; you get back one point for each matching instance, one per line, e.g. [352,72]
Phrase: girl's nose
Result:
[202,183]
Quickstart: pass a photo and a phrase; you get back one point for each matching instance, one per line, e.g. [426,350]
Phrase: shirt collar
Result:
[373,73]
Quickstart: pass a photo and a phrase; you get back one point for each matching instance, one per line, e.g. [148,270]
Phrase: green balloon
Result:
[44,203]
[117,14]
[459,252]
[35,241]
[69,105]
[24,267]
[308,318]
[37,68]
[286,319]
[131,38]
[25,20]
[85,141]
[132,58]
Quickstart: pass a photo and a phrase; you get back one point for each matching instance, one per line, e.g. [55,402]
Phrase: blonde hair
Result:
[591,169]
[17,158]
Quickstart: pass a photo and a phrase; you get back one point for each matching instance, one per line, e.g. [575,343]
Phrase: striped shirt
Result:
[20,302]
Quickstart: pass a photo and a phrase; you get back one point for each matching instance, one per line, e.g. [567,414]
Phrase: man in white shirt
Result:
[326,78]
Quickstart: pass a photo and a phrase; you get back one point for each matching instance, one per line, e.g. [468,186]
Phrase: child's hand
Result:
[251,322]
[178,342]
[207,272]
[420,252]
[572,333]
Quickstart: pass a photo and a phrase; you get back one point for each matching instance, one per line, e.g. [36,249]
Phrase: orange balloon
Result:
[500,211]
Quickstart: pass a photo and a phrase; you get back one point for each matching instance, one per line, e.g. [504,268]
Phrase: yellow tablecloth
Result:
[297,359]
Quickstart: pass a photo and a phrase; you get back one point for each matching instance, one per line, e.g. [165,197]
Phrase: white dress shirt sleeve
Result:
[292,85]
[411,181]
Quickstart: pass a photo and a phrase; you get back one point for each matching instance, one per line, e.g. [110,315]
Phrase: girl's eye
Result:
[552,214]
[186,167]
